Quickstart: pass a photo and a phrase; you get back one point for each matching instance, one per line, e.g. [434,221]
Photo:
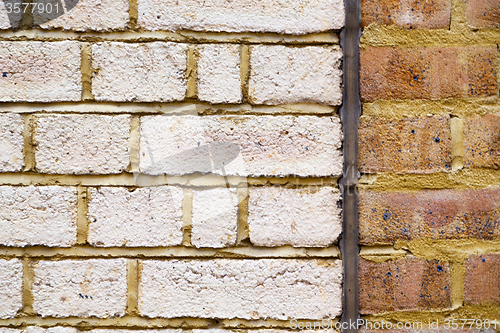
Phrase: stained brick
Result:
[482,141]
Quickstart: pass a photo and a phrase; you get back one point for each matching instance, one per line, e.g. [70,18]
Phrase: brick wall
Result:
[429,195]
[169,166]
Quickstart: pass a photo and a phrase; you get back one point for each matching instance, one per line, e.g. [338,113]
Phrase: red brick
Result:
[482,279]
[483,13]
[427,72]
[482,142]
[407,284]
[409,14]
[385,217]
[415,145]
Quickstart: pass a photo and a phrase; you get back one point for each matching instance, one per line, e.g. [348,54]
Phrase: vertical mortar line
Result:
[244,72]
[457,277]
[458,18]
[27,287]
[243,229]
[192,72]
[86,70]
[82,224]
[187,216]
[132,286]
[133,14]
[27,19]
[457,143]
[135,123]
[350,113]
[28,147]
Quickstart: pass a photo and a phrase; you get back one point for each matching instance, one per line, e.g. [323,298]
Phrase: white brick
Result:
[136,331]
[93,15]
[306,217]
[144,217]
[246,145]
[219,74]
[80,288]
[145,72]
[40,72]
[41,215]
[82,144]
[288,17]
[11,284]
[215,218]
[7,19]
[246,289]
[58,329]
[283,75]
[11,142]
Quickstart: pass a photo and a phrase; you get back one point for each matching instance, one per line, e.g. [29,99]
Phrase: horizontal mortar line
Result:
[128,180]
[137,322]
[174,108]
[246,252]
[380,250]
[471,312]
[330,37]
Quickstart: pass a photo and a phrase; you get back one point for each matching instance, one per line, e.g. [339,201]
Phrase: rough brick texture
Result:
[415,145]
[410,14]
[247,289]
[215,218]
[408,284]
[142,217]
[283,75]
[483,13]
[40,72]
[143,72]
[36,329]
[482,285]
[86,15]
[219,73]
[82,144]
[427,72]
[385,217]
[81,288]
[11,142]
[482,141]
[241,145]
[11,284]
[41,215]
[289,17]
[308,217]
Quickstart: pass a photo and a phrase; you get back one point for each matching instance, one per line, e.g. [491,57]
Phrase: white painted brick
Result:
[40,72]
[284,75]
[288,17]
[11,142]
[80,288]
[58,329]
[87,15]
[16,18]
[41,215]
[247,145]
[219,74]
[304,217]
[145,217]
[215,218]
[82,144]
[11,284]
[145,72]
[247,289]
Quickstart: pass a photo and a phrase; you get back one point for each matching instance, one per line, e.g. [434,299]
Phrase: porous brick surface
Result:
[80,288]
[82,144]
[40,71]
[286,17]
[139,72]
[408,284]
[247,289]
[219,74]
[241,145]
[304,217]
[427,72]
[141,217]
[482,141]
[215,218]
[415,145]
[11,142]
[284,75]
[483,14]
[11,284]
[38,215]
[482,285]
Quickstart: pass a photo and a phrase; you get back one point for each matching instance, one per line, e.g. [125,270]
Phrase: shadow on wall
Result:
[42,11]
